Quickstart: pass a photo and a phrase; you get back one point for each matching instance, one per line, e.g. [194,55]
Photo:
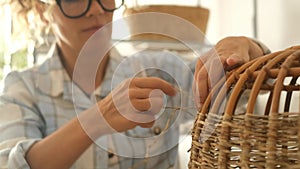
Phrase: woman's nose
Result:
[95,9]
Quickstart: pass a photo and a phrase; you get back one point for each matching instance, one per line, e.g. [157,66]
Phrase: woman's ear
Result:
[40,7]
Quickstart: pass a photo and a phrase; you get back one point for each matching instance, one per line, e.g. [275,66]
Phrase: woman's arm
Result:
[118,112]
[60,149]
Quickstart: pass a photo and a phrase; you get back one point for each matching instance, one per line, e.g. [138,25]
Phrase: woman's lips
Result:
[92,29]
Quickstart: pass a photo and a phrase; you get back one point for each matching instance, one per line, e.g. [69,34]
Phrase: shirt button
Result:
[156,130]
[110,155]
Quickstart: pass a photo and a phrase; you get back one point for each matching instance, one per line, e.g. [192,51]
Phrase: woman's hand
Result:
[228,53]
[135,103]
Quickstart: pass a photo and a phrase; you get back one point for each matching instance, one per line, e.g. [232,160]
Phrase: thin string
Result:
[184,109]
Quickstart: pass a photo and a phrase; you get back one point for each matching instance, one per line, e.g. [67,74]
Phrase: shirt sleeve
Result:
[21,124]
[12,154]
[264,48]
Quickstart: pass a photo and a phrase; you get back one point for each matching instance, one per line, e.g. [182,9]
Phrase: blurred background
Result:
[274,22]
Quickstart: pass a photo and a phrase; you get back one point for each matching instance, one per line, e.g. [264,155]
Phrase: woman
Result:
[39,127]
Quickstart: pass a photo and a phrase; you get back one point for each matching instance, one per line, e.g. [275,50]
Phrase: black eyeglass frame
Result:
[87,8]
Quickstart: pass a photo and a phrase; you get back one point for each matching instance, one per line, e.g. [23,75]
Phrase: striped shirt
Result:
[38,101]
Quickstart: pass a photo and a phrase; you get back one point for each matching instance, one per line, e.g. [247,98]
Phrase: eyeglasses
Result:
[78,8]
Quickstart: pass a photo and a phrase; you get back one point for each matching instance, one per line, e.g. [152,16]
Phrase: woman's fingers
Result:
[228,53]
[143,93]
[146,125]
[145,98]
[202,85]
[135,102]
[153,103]
[208,71]
[154,83]
[196,86]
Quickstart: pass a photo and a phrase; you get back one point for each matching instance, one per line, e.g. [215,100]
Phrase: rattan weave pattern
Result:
[223,138]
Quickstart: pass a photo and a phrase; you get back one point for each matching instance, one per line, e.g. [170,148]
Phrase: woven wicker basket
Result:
[196,15]
[269,139]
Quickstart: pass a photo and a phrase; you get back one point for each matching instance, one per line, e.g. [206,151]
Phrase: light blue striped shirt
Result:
[38,101]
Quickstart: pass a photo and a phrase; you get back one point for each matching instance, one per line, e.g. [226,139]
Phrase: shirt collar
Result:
[53,80]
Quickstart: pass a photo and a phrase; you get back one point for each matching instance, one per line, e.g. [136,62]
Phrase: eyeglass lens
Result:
[78,7]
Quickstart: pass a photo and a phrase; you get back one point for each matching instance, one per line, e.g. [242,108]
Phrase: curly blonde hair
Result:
[27,24]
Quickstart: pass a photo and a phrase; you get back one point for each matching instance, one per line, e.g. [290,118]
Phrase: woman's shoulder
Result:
[31,76]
